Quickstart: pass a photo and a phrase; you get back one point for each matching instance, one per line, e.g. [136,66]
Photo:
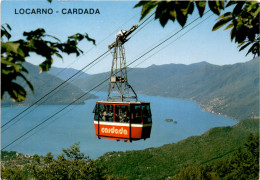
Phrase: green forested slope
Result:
[166,161]
[232,90]
[220,153]
[44,83]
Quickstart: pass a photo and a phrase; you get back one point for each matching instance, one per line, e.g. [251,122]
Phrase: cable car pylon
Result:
[119,88]
[119,118]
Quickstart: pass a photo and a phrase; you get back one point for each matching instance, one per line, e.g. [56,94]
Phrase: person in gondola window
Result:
[110,115]
[104,115]
[125,117]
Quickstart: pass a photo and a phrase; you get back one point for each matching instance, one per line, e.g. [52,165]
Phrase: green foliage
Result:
[244,164]
[14,53]
[48,158]
[244,24]
[218,144]
[45,82]
[8,155]
[12,159]
[244,19]
[13,173]
[71,164]
[36,158]
[171,10]
[12,165]
[74,152]
[214,155]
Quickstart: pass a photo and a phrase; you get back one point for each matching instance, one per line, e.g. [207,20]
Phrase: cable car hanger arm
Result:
[121,37]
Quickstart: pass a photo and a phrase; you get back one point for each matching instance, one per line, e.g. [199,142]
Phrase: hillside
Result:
[165,161]
[65,73]
[209,152]
[231,90]
[44,83]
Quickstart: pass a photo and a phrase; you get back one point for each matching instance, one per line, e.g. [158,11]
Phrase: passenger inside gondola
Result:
[110,115]
[146,114]
[122,113]
[137,114]
[104,112]
[125,117]
[104,115]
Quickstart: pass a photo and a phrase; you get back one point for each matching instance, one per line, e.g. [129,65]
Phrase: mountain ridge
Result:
[230,90]
[65,73]
[44,83]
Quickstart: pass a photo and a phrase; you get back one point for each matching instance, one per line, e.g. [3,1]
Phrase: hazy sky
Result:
[200,44]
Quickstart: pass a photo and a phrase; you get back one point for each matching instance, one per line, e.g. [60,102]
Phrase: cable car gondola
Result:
[123,120]
[118,118]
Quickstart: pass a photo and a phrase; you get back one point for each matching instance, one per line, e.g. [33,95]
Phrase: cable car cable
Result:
[80,71]
[96,86]
[165,40]
[91,90]
[54,89]
[142,24]
[54,114]
[161,82]
[42,98]
[50,123]
[97,44]
[61,84]
[47,99]
[175,40]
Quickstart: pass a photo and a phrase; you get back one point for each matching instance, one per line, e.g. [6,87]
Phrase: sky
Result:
[196,45]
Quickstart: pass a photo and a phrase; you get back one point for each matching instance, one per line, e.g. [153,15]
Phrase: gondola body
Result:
[123,120]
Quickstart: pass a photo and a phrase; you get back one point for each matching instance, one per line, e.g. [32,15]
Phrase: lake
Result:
[75,124]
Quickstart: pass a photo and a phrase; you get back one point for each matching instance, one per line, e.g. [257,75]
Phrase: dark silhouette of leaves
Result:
[14,53]
[244,24]
[243,20]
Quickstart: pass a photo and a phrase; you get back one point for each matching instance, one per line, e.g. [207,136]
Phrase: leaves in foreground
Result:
[243,20]
[14,53]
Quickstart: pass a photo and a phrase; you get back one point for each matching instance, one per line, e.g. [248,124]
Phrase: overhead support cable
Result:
[77,73]
[53,90]
[44,100]
[112,33]
[99,84]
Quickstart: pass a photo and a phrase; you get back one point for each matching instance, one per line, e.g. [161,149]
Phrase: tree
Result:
[243,20]
[71,164]
[243,164]
[14,53]
[12,173]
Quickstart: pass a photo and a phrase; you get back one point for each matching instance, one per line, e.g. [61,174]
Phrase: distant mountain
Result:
[44,83]
[231,90]
[65,73]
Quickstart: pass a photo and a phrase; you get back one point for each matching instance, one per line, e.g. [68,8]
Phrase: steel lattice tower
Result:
[119,88]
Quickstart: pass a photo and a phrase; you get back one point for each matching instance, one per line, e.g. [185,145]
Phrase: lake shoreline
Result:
[76,125]
[82,102]
[204,107]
